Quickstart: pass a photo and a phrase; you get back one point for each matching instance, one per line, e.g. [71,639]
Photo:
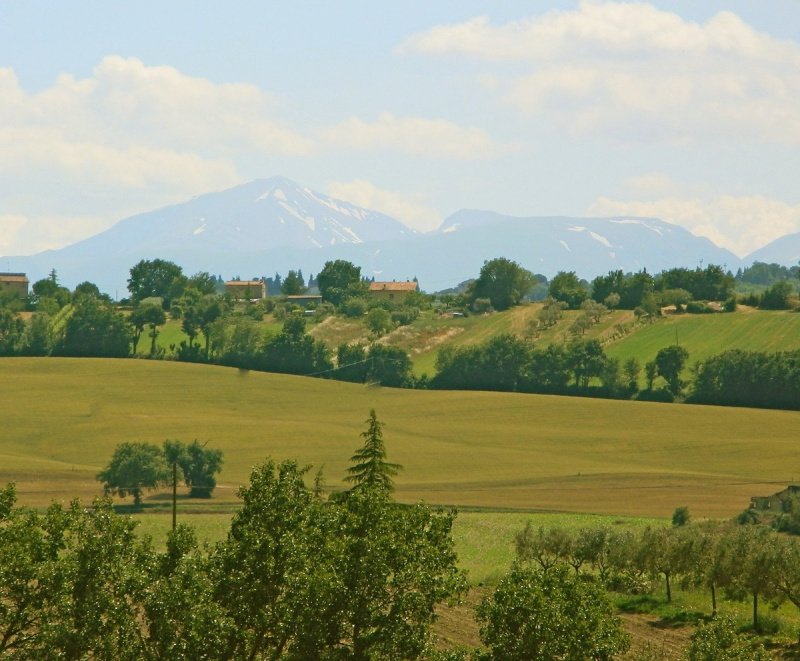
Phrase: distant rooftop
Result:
[393,286]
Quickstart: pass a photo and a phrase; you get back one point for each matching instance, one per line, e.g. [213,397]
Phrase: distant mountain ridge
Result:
[273,225]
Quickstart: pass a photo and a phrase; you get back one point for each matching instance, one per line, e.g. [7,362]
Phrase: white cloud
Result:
[414,135]
[637,72]
[21,235]
[128,138]
[741,224]
[409,209]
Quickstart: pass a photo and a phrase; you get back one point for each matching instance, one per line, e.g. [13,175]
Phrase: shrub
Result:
[354,307]
[698,307]
[657,395]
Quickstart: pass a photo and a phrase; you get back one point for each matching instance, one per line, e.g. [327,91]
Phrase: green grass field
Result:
[62,419]
[705,335]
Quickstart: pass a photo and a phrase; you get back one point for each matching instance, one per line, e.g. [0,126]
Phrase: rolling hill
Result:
[63,418]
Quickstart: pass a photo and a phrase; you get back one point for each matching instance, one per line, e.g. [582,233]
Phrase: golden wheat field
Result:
[62,418]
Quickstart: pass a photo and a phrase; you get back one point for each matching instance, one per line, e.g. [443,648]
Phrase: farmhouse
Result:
[246,290]
[777,502]
[14,283]
[392,291]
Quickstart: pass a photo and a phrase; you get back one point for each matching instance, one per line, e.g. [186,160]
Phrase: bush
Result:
[404,316]
[354,307]
[681,516]
[730,304]
[698,307]
[719,641]
[551,614]
[481,305]
[657,395]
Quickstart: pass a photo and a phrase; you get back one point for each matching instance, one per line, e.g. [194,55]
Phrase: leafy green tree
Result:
[566,287]
[370,470]
[749,554]
[94,329]
[352,363]
[338,280]
[38,337]
[389,366]
[719,640]
[586,360]
[631,369]
[550,614]
[293,284]
[293,351]
[669,363]
[199,466]
[147,314]
[681,516]
[777,296]
[154,278]
[94,588]
[12,332]
[133,468]
[503,282]
[379,321]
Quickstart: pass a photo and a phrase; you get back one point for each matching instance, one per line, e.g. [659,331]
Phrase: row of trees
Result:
[135,467]
[507,363]
[737,562]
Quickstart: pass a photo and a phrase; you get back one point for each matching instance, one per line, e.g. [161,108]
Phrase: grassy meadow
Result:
[62,419]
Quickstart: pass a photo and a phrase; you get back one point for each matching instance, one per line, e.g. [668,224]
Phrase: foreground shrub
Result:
[551,614]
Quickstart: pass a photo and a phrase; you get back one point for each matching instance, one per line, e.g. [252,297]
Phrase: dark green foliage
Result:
[566,287]
[293,284]
[761,273]
[94,329]
[681,516]
[339,280]
[133,468]
[749,378]
[719,641]
[292,351]
[154,277]
[699,307]
[709,284]
[389,366]
[351,360]
[146,314]
[503,282]
[12,332]
[38,338]
[777,296]
[669,363]
[630,289]
[354,307]
[370,470]
[198,465]
[549,615]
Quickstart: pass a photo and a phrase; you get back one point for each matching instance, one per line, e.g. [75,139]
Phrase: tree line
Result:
[223,331]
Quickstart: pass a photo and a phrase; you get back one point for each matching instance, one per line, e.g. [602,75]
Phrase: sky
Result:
[687,111]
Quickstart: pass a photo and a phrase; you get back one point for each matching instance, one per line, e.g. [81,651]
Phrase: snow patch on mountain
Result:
[601,239]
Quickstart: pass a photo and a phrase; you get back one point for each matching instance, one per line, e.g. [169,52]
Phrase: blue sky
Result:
[683,110]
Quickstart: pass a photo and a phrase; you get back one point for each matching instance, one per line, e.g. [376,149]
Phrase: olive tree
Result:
[552,614]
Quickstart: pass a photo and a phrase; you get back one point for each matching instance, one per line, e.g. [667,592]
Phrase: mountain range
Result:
[273,225]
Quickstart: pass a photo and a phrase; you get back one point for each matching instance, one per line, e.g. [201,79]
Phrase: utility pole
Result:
[174,495]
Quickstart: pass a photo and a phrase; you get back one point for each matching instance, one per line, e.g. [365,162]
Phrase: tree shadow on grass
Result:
[670,617]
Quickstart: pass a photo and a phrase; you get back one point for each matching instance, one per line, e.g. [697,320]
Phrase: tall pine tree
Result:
[370,470]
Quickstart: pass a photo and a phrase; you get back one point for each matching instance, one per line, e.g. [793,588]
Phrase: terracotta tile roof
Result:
[393,286]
